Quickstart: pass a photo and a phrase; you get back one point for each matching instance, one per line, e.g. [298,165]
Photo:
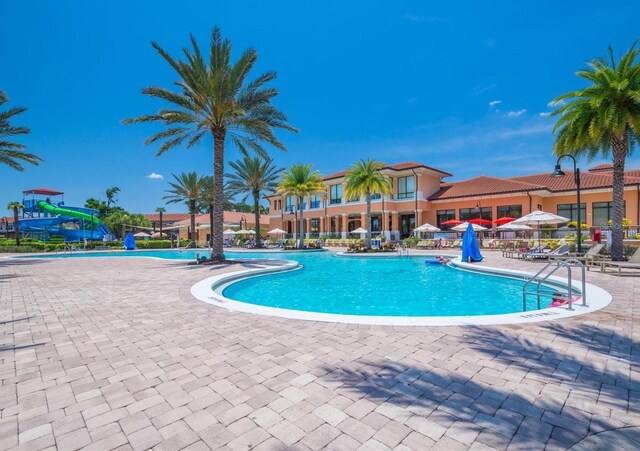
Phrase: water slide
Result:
[66,212]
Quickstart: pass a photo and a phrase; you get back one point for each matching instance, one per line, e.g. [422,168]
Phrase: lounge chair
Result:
[562,250]
[632,263]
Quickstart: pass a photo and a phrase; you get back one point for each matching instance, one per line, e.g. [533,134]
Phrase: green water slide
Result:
[65,212]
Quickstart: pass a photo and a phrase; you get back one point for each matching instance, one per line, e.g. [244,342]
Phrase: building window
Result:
[333,225]
[315,201]
[512,211]
[474,213]
[571,211]
[375,223]
[444,216]
[355,198]
[406,187]
[289,203]
[336,194]
[603,212]
[315,225]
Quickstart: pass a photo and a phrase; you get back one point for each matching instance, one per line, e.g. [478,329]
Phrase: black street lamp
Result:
[559,173]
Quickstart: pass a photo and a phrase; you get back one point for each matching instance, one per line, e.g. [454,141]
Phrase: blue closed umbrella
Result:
[470,250]
[129,242]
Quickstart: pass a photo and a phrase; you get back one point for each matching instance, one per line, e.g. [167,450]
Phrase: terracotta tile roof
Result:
[166,217]
[588,180]
[229,217]
[394,167]
[602,167]
[483,185]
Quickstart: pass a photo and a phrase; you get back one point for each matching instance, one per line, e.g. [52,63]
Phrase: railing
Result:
[538,280]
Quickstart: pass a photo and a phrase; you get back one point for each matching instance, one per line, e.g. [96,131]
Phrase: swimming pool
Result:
[367,290]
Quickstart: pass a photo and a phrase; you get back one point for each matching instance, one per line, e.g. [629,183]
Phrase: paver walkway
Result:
[116,354]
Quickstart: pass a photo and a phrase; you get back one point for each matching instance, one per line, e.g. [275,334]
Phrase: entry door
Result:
[407,224]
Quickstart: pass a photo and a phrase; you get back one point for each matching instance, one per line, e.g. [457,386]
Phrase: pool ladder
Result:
[550,268]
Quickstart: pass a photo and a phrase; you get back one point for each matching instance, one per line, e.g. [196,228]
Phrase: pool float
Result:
[435,261]
[559,302]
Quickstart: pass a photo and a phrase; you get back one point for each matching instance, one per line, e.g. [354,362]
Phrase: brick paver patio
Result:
[116,354]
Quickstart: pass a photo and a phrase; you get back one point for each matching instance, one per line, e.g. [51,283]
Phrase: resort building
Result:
[421,195]
[232,220]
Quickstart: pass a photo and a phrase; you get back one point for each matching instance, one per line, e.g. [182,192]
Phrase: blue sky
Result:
[460,86]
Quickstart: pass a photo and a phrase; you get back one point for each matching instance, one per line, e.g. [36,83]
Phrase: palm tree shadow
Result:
[9,321]
[17,347]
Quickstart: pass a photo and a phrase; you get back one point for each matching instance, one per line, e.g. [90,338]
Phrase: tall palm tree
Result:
[364,179]
[208,201]
[12,154]
[187,189]
[160,211]
[603,119]
[254,176]
[16,207]
[300,181]
[214,97]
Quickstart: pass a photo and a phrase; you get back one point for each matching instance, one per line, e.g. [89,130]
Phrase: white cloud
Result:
[516,113]
[154,176]
[495,102]
[544,114]
[553,104]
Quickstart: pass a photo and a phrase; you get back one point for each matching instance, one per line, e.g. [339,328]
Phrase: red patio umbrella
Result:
[504,220]
[480,221]
[451,222]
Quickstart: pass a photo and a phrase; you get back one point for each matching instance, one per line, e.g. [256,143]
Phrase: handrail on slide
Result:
[538,280]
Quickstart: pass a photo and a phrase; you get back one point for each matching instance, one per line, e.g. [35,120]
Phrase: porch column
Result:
[344,229]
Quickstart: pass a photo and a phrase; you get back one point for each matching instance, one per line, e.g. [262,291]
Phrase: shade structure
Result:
[480,221]
[465,225]
[451,222]
[245,232]
[504,220]
[470,249]
[276,231]
[512,227]
[359,230]
[539,218]
[229,232]
[426,227]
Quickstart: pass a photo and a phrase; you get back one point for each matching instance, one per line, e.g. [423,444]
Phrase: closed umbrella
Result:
[539,218]
[470,250]
[465,225]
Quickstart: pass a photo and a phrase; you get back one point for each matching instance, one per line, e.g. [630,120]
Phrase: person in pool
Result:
[442,260]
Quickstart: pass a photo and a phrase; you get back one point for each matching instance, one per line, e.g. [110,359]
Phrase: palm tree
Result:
[187,189]
[363,179]
[16,207]
[12,154]
[300,181]
[214,97]
[207,201]
[160,211]
[603,119]
[254,176]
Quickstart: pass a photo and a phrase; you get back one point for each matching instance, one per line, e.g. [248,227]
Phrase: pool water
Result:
[396,286]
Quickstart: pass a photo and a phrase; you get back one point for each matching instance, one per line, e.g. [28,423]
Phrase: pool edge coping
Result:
[209,290]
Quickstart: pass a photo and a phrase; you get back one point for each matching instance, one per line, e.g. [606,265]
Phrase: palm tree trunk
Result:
[192,212]
[160,225]
[16,225]
[619,154]
[217,243]
[211,226]
[256,207]
[368,198]
[301,229]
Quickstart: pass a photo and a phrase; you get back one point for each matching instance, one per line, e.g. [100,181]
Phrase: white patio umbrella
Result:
[539,218]
[359,230]
[463,227]
[426,227]
[512,227]
[276,231]
[229,232]
[141,235]
[245,232]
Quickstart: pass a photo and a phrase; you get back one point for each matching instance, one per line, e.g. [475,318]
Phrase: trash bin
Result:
[597,235]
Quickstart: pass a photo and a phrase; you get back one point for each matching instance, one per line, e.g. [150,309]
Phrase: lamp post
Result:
[559,173]
[243,222]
